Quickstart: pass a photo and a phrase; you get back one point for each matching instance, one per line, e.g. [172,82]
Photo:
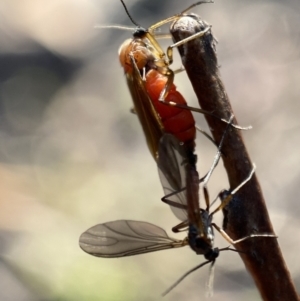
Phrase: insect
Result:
[126,237]
[159,106]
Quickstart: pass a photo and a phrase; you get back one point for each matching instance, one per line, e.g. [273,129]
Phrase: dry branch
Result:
[246,213]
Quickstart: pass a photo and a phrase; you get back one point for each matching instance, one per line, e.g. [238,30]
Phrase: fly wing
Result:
[149,119]
[172,161]
[126,238]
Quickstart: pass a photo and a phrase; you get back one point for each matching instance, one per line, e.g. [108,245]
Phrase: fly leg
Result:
[233,242]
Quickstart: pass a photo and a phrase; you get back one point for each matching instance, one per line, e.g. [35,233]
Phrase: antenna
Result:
[128,14]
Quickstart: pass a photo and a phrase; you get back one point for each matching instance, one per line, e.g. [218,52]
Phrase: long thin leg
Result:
[170,19]
[218,155]
[198,110]
[175,204]
[179,70]
[184,41]
[181,227]
[233,242]
[229,197]
[203,132]
[213,166]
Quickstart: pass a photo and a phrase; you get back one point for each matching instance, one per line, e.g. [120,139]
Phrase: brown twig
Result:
[247,213]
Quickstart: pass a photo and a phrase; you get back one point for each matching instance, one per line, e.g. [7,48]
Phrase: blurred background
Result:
[72,155]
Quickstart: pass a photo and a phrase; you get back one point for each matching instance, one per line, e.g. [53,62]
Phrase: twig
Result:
[247,213]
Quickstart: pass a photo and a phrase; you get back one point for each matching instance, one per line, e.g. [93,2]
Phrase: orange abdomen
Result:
[176,121]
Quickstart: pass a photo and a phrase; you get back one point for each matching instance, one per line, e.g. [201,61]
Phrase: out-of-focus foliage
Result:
[72,155]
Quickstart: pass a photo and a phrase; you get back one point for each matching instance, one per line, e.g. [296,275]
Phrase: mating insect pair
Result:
[180,181]
[170,133]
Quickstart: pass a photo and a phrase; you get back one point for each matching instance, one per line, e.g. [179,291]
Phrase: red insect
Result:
[155,117]
[159,106]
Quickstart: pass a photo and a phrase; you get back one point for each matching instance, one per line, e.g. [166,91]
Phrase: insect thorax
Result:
[201,237]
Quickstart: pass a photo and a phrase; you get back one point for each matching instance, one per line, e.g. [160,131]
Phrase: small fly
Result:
[181,181]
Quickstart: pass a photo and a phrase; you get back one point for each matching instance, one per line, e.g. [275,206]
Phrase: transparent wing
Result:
[172,159]
[149,119]
[126,238]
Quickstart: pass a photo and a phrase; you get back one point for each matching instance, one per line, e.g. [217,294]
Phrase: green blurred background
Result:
[72,155]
